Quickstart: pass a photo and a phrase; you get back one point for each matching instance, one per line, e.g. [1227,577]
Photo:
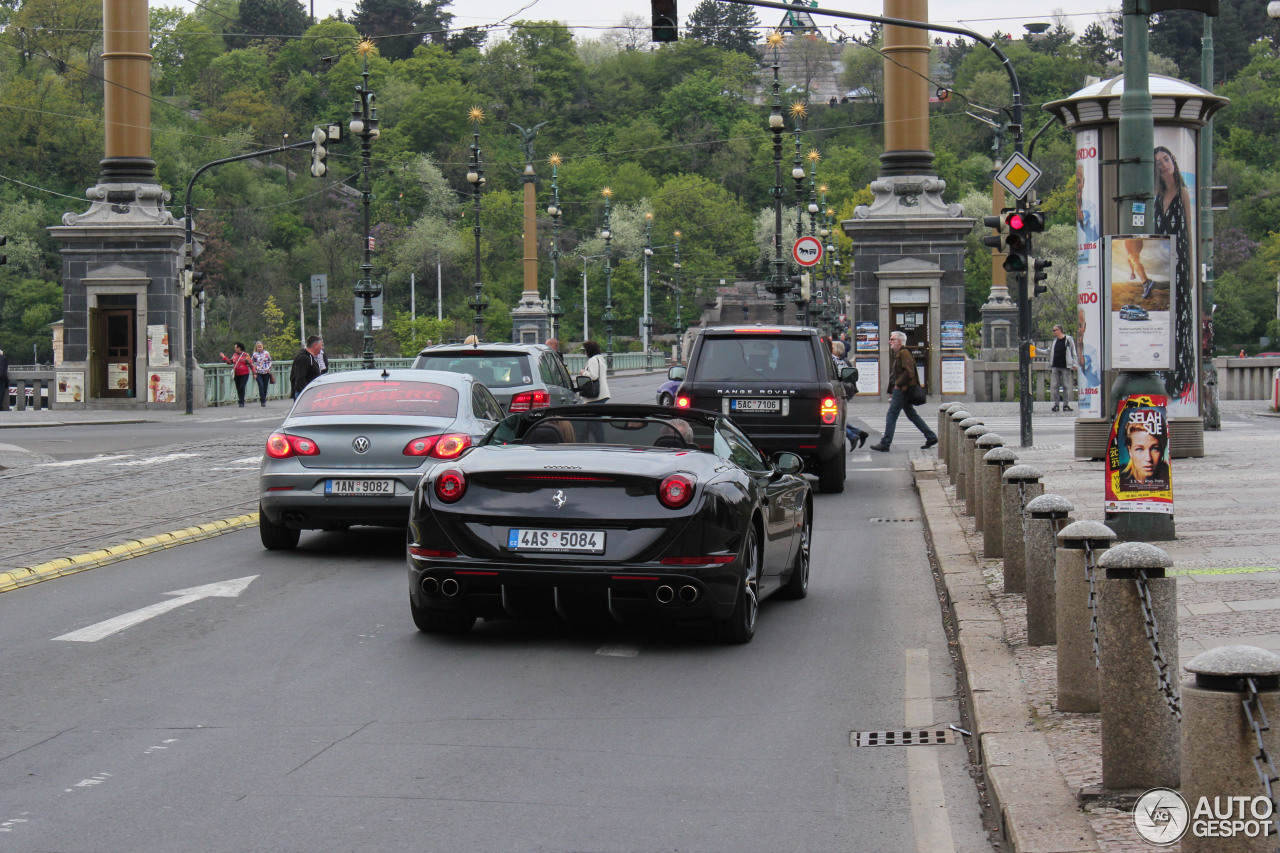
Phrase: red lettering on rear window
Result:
[379,397]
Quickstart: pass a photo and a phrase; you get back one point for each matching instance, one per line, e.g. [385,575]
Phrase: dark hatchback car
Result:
[521,376]
[779,385]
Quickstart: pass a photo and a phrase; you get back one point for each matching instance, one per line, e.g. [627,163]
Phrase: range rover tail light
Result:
[829,410]
[683,402]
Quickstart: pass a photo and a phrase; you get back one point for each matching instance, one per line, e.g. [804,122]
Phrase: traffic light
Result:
[197,283]
[1018,241]
[664,20]
[996,240]
[1041,264]
[318,152]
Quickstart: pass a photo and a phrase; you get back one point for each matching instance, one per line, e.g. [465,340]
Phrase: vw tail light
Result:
[282,445]
[447,446]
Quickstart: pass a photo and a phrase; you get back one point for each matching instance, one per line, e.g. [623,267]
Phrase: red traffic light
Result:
[1016,222]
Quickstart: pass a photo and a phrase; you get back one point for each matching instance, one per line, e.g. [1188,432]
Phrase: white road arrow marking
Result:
[222,589]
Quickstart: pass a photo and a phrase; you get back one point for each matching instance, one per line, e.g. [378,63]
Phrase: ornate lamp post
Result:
[553,210]
[475,176]
[364,124]
[679,320]
[645,320]
[607,234]
[798,112]
[778,284]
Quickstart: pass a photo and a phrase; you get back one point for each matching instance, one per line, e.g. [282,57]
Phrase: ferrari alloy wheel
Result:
[740,627]
[831,474]
[276,537]
[435,622]
[797,585]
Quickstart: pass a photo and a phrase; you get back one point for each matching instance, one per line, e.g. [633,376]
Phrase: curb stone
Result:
[1036,809]
[28,575]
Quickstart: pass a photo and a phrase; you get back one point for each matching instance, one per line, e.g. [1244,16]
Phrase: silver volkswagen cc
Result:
[355,445]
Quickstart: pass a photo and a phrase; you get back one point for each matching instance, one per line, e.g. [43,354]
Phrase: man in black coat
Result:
[306,366]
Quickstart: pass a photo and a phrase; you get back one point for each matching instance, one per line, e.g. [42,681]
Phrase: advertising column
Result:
[1089,274]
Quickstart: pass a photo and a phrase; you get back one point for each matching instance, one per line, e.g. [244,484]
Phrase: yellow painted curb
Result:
[28,575]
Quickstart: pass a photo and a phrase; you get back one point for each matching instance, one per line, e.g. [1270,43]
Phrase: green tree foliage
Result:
[725,25]
[270,19]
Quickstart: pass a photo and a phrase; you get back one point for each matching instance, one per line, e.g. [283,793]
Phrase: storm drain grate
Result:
[902,737]
[891,520]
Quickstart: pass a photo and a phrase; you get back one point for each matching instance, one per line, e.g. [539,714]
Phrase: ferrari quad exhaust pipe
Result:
[430,585]
[688,594]
[664,594]
[449,587]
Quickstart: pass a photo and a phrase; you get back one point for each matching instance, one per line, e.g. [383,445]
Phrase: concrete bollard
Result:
[1045,515]
[994,464]
[944,431]
[1219,743]
[1021,484]
[954,468]
[970,440]
[1074,617]
[1141,708]
[986,442]
[944,421]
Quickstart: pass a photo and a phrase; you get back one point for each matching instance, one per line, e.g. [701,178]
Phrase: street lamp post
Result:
[364,124]
[607,234]
[645,321]
[679,319]
[778,284]
[475,176]
[553,210]
[586,321]
[798,113]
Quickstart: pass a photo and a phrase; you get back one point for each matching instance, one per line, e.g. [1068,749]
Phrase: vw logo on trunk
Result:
[559,499]
[361,444]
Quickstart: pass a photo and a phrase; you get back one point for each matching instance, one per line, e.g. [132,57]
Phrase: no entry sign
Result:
[807,251]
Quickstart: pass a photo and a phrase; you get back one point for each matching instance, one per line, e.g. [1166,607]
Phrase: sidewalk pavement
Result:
[1043,767]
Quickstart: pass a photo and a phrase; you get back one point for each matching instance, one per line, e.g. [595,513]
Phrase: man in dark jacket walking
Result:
[4,382]
[306,364]
[902,373]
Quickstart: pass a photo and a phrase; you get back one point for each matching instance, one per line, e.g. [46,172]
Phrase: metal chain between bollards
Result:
[1262,762]
[1153,637]
[1089,567]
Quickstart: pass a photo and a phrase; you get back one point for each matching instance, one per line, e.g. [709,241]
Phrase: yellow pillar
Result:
[126,69]
[906,87]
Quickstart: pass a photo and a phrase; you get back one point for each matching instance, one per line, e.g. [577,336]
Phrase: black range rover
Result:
[779,385]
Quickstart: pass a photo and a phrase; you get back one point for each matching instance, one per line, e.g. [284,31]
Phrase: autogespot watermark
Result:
[1162,816]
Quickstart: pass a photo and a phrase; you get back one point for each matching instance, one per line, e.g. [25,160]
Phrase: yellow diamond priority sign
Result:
[1019,175]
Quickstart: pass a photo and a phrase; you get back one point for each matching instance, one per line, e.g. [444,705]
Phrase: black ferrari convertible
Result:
[640,512]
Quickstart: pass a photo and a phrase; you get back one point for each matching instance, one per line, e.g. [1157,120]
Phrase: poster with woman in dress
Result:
[1175,214]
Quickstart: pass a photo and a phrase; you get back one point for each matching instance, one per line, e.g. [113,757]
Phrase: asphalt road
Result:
[306,713]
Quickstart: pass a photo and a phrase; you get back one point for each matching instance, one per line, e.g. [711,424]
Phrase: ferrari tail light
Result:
[451,485]
[829,410]
[282,445]
[447,446]
[683,402]
[675,491]
[526,400]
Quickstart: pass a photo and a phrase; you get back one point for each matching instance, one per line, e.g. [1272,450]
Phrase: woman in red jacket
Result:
[240,364]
